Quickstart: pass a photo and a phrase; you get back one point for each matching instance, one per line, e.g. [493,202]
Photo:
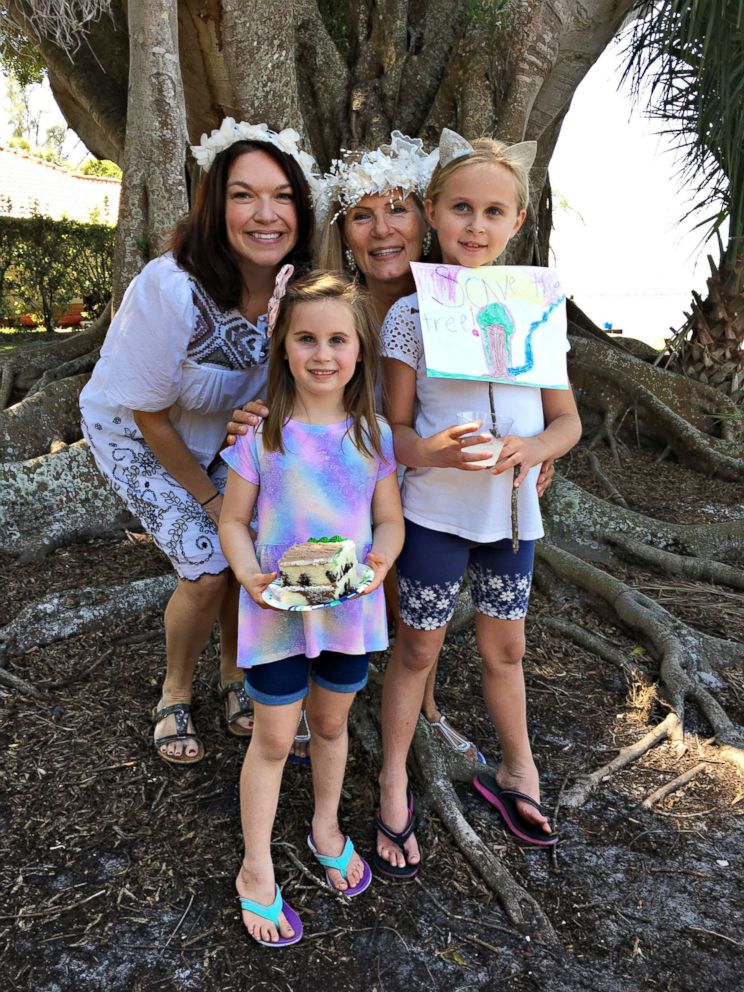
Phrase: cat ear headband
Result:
[452,145]
[280,288]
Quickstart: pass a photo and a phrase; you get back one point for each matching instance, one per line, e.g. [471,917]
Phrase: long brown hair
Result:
[199,243]
[359,393]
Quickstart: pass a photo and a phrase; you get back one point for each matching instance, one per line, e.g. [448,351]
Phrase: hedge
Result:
[46,263]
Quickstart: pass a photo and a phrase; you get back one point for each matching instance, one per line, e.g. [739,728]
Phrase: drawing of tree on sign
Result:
[497,327]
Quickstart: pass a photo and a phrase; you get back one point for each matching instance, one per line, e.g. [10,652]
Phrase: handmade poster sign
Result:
[497,323]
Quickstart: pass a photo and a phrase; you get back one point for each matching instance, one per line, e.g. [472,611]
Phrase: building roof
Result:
[30,185]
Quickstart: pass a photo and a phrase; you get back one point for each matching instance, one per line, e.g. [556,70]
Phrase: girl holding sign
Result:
[458,513]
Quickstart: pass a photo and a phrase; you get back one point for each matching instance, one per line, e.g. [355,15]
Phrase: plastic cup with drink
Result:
[486,424]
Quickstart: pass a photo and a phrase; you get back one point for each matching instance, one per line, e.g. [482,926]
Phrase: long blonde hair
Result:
[485,150]
[359,394]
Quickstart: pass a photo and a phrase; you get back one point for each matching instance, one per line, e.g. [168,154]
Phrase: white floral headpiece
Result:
[288,141]
[403,164]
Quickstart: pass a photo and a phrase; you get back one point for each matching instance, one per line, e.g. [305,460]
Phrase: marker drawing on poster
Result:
[497,323]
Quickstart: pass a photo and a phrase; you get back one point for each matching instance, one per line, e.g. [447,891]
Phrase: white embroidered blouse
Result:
[170,345]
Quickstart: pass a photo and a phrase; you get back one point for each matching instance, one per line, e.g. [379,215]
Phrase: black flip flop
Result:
[504,801]
[408,872]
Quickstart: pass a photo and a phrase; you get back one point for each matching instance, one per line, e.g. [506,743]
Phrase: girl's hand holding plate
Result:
[380,566]
[256,584]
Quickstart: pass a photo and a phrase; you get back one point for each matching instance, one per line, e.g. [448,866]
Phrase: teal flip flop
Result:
[271,913]
[341,863]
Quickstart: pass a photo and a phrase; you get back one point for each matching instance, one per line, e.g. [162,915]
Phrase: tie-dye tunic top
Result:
[321,486]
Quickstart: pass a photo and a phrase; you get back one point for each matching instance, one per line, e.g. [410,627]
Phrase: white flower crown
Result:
[288,141]
[403,164]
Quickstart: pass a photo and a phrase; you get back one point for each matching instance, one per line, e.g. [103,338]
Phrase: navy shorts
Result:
[431,568]
[281,682]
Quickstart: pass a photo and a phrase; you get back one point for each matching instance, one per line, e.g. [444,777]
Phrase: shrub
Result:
[45,263]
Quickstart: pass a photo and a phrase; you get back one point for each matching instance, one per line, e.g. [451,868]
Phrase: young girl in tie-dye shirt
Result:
[321,464]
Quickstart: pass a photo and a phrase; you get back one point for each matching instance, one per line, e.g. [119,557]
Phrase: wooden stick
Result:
[53,910]
[676,783]
[20,685]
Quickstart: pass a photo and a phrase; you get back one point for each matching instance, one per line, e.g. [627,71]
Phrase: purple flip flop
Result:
[271,913]
[504,802]
[341,863]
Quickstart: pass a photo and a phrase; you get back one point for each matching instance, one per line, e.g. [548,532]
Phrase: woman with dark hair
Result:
[188,344]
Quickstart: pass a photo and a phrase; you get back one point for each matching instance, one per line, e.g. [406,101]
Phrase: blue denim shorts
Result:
[431,568]
[281,682]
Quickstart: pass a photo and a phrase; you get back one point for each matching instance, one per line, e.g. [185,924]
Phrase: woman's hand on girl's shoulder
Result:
[246,416]
[380,566]
[523,451]
[545,478]
[256,584]
[449,449]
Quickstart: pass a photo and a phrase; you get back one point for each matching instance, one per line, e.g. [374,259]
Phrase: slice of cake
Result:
[318,570]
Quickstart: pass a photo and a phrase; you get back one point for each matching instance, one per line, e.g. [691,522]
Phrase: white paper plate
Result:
[272,594]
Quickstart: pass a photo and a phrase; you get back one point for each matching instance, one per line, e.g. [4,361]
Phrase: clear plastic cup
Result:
[485,423]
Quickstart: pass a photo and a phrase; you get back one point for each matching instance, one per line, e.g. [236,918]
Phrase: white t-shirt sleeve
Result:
[148,339]
[400,335]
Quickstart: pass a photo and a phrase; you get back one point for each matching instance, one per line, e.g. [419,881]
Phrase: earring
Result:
[350,261]
[426,244]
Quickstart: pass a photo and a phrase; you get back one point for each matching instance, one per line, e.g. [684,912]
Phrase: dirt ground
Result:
[117,868]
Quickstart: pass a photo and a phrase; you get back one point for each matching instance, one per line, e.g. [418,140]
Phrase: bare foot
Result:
[330,841]
[526,780]
[186,747]
[260,887]
[394,813]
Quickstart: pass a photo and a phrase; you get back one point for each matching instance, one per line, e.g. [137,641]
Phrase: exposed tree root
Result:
[75,366]
[573,515]
[439,774]
[672,409]
[593,643]
[685,656]
[69,613]
[23,366]
[50,415]
[439,768]
[615,495]
[677,783]
[55,500]
[688,568]
[580,790]
[464,611]
[11,681]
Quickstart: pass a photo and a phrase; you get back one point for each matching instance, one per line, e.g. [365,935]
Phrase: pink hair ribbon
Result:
[280,288]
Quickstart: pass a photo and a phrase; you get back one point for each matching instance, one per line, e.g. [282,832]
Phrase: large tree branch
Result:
[259,55]
[91,86]
[324,82]
[153,195]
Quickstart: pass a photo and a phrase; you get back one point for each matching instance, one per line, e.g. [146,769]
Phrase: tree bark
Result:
[153,195]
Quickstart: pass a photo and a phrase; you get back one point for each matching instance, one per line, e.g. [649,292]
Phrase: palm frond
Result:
[689,57]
